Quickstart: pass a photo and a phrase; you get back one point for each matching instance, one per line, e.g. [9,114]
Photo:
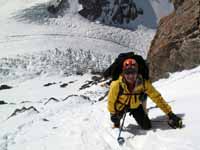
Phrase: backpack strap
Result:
[142,96]
[121,90]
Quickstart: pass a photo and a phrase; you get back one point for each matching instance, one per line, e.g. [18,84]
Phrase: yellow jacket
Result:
[116,104]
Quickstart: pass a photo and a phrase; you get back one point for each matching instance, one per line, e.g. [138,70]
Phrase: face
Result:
[130,70]
[130,78]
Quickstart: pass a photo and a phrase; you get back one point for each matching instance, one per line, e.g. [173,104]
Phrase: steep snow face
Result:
[70,112]
[56,117]
[161,8]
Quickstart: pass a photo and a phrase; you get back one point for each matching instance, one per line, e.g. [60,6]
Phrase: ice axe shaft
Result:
[121,139]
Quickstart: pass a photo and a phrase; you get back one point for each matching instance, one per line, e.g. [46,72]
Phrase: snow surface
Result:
[27,26]
[65,119]
[48,107]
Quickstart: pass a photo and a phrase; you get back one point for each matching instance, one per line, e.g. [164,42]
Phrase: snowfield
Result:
[56,117]
[50,98]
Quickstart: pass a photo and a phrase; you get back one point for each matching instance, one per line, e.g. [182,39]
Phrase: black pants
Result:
[140,116]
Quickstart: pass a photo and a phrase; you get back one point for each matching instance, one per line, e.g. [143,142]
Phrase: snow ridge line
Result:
[23,109]
[119,41]
[66,35]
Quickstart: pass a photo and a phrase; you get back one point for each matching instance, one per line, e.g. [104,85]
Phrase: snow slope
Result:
[49,107]
[74,118]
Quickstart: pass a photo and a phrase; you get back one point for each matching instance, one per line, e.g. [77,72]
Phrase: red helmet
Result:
[129,63]
[130,66]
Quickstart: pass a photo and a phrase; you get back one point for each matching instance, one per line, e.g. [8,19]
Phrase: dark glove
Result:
[174,121]
[115,118]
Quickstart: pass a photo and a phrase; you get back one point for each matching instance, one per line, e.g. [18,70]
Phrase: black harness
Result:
[142,97]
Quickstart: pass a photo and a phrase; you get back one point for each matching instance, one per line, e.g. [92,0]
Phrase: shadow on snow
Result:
[160,122]
[37,14]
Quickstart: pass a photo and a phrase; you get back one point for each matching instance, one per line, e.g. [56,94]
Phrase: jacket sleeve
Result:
[156,97]
[112,96]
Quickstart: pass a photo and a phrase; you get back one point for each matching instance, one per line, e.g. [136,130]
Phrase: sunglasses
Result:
[130,71]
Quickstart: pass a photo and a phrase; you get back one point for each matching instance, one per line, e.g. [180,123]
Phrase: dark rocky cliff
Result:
[176,45]
[117,11]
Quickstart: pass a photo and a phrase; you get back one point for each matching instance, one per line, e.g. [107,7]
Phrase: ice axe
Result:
[120,139]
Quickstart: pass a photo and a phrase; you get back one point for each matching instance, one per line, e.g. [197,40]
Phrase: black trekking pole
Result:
[121,139]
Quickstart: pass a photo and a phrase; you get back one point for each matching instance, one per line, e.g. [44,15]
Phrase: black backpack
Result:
[115,69]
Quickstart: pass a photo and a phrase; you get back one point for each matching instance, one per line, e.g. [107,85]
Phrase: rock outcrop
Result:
[58,7]
[92,9]
[176,45]
[110,12]
[116,11]
[4,87]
